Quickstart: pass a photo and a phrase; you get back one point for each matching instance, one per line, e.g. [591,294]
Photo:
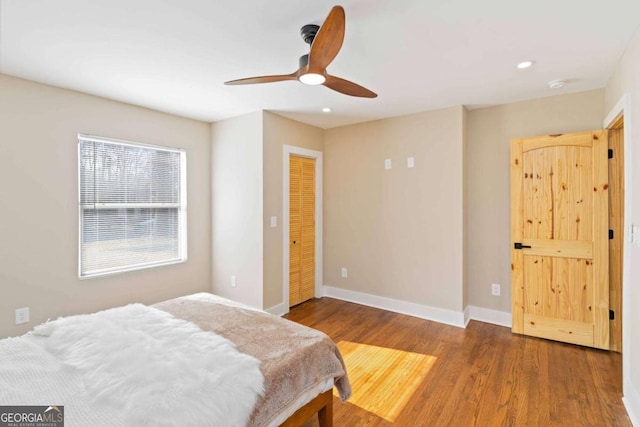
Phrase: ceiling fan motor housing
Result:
[304,61]
[308,32]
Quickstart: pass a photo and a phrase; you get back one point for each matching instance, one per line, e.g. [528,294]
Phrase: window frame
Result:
[182,208]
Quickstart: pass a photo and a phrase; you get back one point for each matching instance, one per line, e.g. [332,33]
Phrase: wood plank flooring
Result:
[479,376]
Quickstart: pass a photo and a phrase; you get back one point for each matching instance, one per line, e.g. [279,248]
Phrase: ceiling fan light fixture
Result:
[312,79]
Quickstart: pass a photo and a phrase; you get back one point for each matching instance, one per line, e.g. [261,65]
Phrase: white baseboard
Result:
[278,309]
[449,317]
[487,315]
[631,402]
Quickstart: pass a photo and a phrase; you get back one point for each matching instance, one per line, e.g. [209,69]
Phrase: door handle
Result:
[518,245]
[294,242]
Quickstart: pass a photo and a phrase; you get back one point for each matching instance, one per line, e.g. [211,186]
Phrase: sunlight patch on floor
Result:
[383,379]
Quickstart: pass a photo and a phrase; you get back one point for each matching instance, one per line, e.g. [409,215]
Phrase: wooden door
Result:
[560,238]
[302,207]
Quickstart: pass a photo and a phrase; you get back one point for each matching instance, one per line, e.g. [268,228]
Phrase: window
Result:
[132,206]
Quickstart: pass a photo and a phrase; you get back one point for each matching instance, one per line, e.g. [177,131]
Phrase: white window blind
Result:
[132,206]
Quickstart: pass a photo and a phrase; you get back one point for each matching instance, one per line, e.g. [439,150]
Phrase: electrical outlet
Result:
[495,289]
[387,163]
[343,273]
[233,281]
[22,315]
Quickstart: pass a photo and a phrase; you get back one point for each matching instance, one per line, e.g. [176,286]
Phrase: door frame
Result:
[622,108]
[288,151]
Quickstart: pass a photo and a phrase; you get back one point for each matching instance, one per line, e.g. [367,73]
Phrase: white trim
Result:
[623,107]
[278,309]
[617,111]
[440,315]
[287,151]
[487,315]
[631,402]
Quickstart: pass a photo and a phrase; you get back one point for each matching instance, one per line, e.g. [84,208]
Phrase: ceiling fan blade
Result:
[328,41]
[347,87]
[263,79]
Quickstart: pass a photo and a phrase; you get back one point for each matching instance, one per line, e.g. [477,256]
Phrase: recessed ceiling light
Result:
[525,64]
[326,110]
[556,84]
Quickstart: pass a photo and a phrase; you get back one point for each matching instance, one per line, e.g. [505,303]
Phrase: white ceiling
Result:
[418,55]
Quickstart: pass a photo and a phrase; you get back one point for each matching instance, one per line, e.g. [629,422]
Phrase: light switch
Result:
[274,221]
[387,163]
[343,272]
[410,162]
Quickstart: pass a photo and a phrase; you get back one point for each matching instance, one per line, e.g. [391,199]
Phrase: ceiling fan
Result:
[325,42]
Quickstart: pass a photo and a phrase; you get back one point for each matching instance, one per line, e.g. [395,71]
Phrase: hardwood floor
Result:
[479,376]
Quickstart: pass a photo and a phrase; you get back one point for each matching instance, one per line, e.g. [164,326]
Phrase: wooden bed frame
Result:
[322,404]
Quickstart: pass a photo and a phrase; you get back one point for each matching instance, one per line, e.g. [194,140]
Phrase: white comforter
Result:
[130,366]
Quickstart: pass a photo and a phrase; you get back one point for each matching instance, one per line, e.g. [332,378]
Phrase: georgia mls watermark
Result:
[32,416]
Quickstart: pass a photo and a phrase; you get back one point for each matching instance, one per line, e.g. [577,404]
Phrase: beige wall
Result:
[39,202]
[489,131]
[626,80]
[236,213]
[398,231]
[279,131]
[246,173]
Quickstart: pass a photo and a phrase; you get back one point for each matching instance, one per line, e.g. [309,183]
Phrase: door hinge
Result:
[610,153]
[612,315]
[610,234]
[518,245]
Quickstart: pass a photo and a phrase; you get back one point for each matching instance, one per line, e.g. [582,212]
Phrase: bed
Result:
[194,360]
